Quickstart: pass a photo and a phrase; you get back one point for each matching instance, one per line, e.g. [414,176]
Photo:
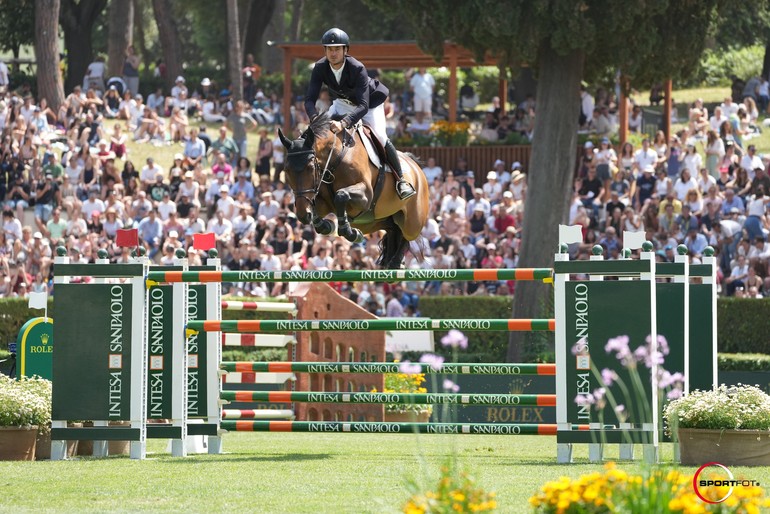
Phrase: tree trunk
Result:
[77,21]
[140,7]
[296,19]
[259,18]
[121,31]
[766,61]
[549,186]
[169,39]
[49,81]
[234,50]
[272,56]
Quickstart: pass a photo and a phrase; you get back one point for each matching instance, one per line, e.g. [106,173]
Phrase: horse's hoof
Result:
[324,227]
[353,235]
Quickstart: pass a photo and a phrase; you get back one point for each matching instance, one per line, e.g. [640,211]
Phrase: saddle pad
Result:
[370,150]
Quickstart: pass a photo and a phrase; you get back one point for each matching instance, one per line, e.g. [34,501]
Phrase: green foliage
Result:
[744,325]
[25,402]
[14,312]
[717,66]
[482,346]
[17,24]
[256,355]
[735,407]
[743,362]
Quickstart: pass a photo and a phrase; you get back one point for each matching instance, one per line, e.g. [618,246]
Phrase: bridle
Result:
[320,177]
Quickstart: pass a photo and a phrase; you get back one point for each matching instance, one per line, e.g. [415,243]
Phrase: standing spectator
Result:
[4,82]
[586,107]
[131,70]
[264,153]
[239,122]
[422,84]
[645,156]
[227,146]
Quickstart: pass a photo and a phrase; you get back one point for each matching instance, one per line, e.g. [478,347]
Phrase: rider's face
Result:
[335,54]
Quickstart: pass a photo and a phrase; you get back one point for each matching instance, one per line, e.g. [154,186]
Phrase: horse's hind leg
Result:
[355,197]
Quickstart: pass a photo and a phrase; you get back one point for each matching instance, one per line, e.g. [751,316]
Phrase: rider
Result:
[356,97]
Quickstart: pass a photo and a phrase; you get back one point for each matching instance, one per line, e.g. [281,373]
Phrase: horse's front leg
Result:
[322,225]
[345,199]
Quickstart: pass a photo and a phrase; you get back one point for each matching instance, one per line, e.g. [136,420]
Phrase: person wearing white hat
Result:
[503,175]
[493,190]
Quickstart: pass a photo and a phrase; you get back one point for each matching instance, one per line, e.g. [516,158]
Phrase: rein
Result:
[321,177]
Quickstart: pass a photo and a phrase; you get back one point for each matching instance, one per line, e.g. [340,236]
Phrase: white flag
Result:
[633,240]
[38,300]
[569,234]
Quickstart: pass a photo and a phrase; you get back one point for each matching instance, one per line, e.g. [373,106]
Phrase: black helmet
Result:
[335,37]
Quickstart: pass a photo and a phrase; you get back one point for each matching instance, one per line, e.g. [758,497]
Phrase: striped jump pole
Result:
[392,428]
[476,275]
[257,414]
[540,400]
[387,367]
[256,378]
[259,306]
[256,326]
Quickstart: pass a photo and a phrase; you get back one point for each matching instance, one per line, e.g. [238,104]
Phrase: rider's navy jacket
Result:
[355,87]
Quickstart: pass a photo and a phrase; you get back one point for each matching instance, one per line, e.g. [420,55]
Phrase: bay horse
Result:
[332,173]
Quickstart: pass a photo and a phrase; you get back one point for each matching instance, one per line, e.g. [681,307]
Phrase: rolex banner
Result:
[161,350]
[597,312]
[92,369]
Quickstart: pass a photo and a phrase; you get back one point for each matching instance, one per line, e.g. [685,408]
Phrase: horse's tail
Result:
[393,246]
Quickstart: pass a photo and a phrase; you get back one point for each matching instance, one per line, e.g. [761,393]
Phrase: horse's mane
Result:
[320,125]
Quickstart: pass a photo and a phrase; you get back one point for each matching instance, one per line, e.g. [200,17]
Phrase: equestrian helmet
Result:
[335,37]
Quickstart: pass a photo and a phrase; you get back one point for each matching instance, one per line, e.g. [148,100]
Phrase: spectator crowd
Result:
[68,178]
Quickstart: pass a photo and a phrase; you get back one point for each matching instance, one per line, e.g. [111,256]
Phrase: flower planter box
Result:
[729,447]
[18,443]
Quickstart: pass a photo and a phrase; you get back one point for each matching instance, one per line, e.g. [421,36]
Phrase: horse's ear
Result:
[284,140]
[309,138]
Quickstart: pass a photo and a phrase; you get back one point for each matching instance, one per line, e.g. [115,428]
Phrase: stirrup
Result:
[404,189]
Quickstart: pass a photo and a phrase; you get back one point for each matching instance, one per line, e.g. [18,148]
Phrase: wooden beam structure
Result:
[384,55]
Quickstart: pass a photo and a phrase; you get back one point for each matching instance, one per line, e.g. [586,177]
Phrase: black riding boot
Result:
[404,189]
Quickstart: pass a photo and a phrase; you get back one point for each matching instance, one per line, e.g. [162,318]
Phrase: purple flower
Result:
[455,339]
[620,409]
[580,347]
[410,368]
[609,376]
[436,361]
[584,399]
[667,379]
[674,394]
[450,386]
[619,345]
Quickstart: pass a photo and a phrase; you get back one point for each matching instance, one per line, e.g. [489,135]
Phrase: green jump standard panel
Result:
[93,333]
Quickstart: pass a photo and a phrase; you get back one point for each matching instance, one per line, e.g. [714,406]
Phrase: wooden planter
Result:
[18,443]
[43,445]
[728,447]
[407,417]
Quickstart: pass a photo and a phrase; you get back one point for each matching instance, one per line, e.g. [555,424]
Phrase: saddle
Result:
[376,154]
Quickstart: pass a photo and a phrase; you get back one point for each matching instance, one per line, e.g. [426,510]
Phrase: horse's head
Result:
[302,173]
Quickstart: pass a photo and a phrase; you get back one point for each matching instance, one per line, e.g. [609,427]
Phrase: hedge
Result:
[744,326]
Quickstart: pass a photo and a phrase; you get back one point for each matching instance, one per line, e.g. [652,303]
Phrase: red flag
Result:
[127,237]
[204,241]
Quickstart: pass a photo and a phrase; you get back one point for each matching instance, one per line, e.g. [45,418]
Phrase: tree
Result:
[17,25]
[234,50]
[566,41]
[120,35]
[170,43]
[77,19]
[49,80]
[255,23]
